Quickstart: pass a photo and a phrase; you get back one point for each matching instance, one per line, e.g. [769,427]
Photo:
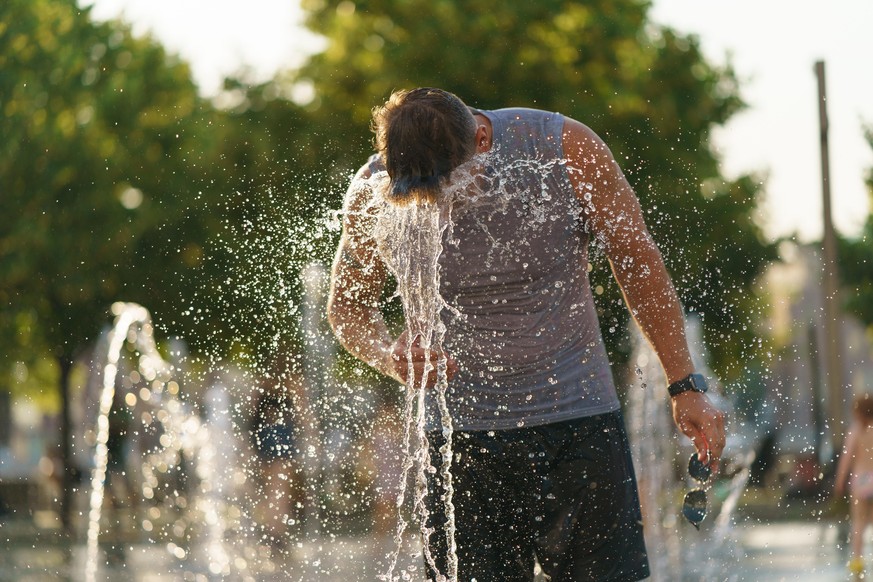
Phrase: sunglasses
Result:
[694,504]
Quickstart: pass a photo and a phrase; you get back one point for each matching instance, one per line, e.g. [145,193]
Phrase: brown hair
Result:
[422,135]
[864,409]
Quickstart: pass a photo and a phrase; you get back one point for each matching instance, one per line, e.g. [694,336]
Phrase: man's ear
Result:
[482,142]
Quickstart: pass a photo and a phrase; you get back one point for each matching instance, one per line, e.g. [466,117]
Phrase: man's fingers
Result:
[716,433]
[705,443]
[699,440]
[703,423]
[705,451]
[424,361]
[451,368]
[713,439]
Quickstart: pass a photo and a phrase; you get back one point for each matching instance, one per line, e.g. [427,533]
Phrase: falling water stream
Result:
[410,241]
[132,323]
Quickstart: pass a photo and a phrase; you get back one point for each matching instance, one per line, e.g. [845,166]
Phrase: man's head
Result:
[422,135]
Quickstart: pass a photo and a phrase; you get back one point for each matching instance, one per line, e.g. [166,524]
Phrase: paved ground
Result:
[790,551]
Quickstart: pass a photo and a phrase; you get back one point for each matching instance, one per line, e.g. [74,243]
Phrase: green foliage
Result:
[100,135]
[120,183]
[647,90]
[856,261]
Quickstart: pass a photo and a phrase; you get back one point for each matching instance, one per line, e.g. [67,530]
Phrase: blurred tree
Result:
[856,261]
[100,141]
[646,89]
[274,201]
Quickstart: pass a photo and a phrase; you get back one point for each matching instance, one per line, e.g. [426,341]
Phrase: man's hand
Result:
[420,363]
[702,422]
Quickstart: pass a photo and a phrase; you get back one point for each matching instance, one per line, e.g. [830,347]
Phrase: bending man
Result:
[542,464]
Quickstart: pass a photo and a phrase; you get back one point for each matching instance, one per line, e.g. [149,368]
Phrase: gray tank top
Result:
[521,321]
[514,270]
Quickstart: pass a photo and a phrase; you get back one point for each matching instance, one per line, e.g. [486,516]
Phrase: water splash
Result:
[409,239]
[673,555]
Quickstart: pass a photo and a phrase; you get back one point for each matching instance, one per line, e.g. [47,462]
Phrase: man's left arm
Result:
[613,215]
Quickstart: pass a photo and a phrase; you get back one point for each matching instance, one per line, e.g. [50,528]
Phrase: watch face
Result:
[694,382]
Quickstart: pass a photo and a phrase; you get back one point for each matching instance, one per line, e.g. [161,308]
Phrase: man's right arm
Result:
[357,279]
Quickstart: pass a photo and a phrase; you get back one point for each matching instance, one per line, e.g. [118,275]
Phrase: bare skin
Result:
[857,459]
[613,216]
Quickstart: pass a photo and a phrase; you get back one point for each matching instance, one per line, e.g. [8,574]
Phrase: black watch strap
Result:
[694,382]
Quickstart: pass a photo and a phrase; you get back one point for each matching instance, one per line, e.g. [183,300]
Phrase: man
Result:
[542,466]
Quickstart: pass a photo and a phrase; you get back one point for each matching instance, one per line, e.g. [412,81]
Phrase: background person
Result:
[276,439]
[855,472]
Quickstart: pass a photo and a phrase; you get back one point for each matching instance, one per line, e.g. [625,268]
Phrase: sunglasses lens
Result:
[694,507]
[699,471]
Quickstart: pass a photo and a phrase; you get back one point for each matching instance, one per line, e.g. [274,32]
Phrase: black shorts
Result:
[275,442]
[564,494]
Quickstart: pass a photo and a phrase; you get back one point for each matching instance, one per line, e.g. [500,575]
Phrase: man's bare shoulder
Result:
[360,193]
[359,216]
[581,141]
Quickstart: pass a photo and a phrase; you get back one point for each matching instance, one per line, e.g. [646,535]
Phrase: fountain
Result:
[181,437]
[127,317]
[197,473]
[678,552]
[209,529]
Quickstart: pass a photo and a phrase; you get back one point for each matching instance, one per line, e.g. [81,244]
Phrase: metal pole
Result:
[831,306]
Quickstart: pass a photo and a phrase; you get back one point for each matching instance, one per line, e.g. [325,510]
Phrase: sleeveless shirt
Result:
[521,321]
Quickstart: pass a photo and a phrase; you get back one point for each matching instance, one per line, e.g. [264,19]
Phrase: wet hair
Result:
[422,135]
[864,409]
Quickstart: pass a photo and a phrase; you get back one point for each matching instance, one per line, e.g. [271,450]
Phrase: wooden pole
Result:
[830,286]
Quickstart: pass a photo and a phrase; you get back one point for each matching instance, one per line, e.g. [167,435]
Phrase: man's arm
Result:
[357,279]
[613,215]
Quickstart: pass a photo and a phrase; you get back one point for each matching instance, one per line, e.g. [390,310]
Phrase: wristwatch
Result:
[695,382]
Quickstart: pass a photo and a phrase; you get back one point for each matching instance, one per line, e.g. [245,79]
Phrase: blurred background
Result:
[189,158]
